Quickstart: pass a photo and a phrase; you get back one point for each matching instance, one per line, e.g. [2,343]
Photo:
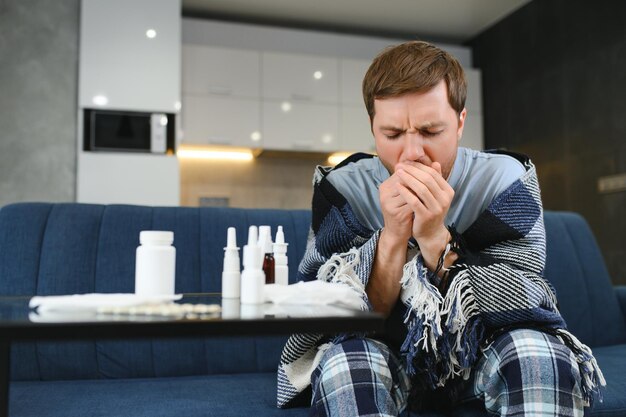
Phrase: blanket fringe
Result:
[341,268]
[424,302]
[591,375]
[440,354]
[459,307]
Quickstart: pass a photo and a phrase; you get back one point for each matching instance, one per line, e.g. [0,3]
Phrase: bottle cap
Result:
[156,237]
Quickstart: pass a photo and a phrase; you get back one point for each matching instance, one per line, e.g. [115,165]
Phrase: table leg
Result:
[5,368]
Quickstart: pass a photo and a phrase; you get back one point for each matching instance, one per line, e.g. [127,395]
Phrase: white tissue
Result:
[92,302]
[314,293]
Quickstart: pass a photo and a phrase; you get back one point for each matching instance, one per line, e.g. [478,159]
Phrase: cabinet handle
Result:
[220,90]
[301,97]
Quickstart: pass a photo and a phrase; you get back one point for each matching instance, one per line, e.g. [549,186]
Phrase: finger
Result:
[437,167]
[412,201]
[439,188]
[420,190]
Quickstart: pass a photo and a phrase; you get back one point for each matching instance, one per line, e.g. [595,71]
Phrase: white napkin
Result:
[314,293]
[92,302]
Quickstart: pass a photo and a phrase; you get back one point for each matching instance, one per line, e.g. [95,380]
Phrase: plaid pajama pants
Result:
[522,373]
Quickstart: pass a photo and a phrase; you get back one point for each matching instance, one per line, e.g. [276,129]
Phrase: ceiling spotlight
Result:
[327,138]
[100,100]
[318,75]
[285,106]
[255,136]
[151,33]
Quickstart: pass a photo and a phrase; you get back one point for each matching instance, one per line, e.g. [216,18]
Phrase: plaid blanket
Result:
[496,284]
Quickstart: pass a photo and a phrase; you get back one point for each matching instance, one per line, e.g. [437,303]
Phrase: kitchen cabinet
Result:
[221,71]
[354,132]
[300,126]
[352,72]
[130,55]
[211,120]
[300,77]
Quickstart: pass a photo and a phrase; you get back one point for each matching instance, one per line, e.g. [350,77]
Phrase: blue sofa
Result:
[78,248]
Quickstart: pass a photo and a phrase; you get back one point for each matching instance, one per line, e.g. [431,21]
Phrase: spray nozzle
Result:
[252,235]
[231,241]
[265,238]
[280,247]
[280,236]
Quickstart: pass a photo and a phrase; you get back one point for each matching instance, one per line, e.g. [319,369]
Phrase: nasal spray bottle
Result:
[281,270]
[265,241]
[252,277]
[231,278]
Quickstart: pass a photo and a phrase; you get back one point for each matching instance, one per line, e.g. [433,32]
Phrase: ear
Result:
[459,131]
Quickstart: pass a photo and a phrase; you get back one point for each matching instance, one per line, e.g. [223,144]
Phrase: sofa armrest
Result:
[620,290]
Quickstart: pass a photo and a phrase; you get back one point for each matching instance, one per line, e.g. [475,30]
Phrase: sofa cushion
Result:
[217,395]
[613,364]
[576,268]
[251,394]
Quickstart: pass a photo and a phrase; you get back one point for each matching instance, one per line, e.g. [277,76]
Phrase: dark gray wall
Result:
[38,99]
[554,87]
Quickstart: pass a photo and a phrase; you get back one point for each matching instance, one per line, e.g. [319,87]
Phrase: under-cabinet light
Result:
[337,157]
[215,154]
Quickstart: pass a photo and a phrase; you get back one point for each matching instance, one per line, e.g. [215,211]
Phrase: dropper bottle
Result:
[281,269]
[265,241]
[252,277]
[231,277]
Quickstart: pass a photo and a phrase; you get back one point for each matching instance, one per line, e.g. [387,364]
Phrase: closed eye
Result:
[393,136]
[430,134]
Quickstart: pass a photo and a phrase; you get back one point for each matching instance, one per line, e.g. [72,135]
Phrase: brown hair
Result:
[411,67]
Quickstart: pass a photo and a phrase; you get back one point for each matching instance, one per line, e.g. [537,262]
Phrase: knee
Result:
[529,358]
[528,364]
[360,357]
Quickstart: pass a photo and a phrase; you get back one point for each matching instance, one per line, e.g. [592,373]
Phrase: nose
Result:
[413,147]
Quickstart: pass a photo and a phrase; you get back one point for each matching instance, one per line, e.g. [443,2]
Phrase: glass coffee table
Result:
[217,317]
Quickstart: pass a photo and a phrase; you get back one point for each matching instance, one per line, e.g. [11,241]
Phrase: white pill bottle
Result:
[155,266]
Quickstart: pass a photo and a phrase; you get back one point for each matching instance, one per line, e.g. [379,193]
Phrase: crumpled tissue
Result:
[314,293]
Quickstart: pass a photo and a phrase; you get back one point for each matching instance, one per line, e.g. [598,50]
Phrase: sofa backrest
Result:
[52,249]
[577,270]
[48,249]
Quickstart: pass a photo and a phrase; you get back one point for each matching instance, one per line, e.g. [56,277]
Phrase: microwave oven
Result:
[128,131]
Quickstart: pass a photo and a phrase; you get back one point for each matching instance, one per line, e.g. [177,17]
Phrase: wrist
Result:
[433,247]
[392,241]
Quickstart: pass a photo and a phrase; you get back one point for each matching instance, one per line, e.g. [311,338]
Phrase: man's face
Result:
[418,127]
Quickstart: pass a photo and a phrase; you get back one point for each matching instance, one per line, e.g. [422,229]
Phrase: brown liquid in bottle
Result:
[268,268]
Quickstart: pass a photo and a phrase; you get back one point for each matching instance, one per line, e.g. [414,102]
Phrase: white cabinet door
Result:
[300,77]
[121,66]
[221,71]
[221,121]
[355,132]
[304,127]
[352,72]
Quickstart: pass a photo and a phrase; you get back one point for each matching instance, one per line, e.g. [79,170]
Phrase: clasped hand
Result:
[414,202]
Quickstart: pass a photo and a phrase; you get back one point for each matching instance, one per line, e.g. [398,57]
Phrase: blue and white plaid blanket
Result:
[496,283]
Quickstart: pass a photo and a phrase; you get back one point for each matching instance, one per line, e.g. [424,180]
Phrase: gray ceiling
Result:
[450,20]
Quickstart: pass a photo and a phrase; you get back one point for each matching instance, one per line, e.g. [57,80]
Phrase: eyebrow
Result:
[427,125]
